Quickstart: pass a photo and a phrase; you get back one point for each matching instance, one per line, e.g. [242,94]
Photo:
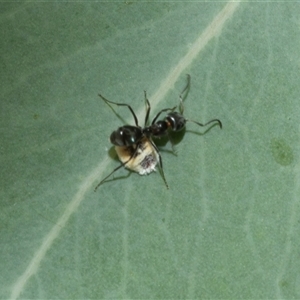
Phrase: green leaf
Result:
[227,227]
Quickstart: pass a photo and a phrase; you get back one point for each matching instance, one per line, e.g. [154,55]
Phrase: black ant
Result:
[134,144]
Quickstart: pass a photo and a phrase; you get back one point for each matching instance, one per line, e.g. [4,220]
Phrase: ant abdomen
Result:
[126,136]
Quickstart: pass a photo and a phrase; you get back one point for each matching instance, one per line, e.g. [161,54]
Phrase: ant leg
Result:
[163,110]
[160,164]
[205,124]
[117,168]
[172,144]
[122,104]
[181,107]
[148,108]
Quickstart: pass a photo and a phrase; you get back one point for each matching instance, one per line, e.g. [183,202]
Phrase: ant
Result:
[134,145]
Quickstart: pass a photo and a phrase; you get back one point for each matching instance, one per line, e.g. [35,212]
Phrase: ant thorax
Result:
[140,157]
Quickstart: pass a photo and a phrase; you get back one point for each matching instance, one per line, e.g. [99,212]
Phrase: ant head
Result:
[176,121]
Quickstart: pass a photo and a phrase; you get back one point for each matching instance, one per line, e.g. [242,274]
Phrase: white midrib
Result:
[212,30]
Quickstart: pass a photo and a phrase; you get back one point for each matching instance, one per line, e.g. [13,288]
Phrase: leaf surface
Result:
[227,227]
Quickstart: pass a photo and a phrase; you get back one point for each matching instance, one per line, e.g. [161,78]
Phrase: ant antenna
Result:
[181,107]
[205,124]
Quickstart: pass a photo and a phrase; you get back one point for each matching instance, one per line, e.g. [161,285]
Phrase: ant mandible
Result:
[134,145]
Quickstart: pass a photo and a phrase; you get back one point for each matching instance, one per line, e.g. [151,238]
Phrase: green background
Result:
[228,227]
